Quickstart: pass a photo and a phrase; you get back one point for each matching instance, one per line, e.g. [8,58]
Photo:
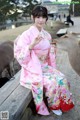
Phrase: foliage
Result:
[5,9]
[29,5]
[76,7]
[11,9]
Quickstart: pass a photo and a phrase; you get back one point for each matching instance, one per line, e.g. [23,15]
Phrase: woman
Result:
[37,58]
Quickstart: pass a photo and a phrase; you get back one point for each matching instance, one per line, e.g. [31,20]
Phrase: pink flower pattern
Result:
[39,73]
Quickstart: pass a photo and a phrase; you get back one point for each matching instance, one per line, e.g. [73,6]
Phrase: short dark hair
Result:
[40,11]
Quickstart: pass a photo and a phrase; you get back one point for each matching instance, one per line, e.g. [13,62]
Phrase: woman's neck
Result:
[39,28]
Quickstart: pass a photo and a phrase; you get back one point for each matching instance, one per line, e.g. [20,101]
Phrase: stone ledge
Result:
[62,32]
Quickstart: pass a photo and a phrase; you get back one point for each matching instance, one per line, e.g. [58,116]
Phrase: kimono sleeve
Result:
[52,57]
[21,49]
[52,54]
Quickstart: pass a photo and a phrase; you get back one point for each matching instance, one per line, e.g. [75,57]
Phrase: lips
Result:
[41,23]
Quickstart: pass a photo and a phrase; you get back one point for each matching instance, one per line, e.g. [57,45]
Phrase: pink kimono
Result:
[39,71]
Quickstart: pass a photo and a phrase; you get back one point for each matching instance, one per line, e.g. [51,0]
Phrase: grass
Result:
[11,34]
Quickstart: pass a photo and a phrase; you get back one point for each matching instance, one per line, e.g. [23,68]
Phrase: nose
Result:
[41,19]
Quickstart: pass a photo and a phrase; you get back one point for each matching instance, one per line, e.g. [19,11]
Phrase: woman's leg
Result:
[37,92]
[66,100]
[57,92]
[52,93]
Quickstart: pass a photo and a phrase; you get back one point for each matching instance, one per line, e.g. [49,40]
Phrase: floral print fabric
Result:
[39,72]
[55,86]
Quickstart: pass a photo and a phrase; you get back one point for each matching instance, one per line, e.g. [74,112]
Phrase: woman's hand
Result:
[36,41]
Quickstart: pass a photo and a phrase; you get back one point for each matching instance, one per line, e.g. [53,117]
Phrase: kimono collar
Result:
[37,29]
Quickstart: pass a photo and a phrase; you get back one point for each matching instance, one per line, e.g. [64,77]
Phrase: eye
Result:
[38,16]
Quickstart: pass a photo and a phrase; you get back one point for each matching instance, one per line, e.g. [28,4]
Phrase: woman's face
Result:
[40,22]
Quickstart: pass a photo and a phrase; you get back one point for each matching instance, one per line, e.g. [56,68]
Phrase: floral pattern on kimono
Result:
[39,71]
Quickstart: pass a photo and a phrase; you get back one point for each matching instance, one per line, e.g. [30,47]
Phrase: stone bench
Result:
[62,32]
[14,99]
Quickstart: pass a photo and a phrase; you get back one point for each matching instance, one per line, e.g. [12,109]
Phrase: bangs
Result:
[40,14]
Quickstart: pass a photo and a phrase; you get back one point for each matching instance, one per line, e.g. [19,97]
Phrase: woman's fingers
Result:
[39,38]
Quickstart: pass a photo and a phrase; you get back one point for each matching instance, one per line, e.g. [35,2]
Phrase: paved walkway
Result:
[62,58]
[76,27]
